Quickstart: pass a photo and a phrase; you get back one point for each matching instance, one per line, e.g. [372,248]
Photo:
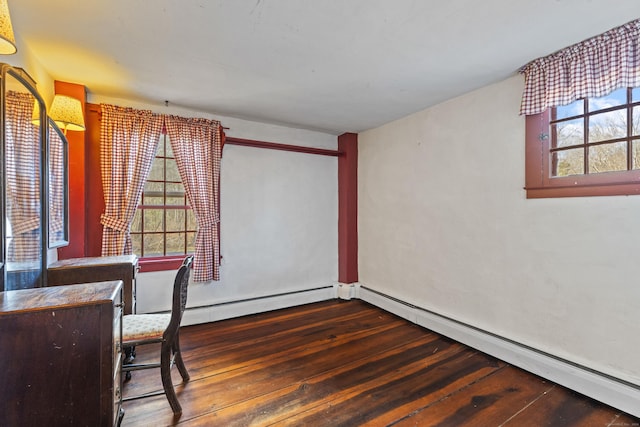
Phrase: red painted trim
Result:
[229,140]
[348,208]
[77,202]
[95,196]
[165,207]
[223,139]
[160,263]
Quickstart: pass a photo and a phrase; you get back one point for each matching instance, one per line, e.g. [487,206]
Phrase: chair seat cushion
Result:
[137,327]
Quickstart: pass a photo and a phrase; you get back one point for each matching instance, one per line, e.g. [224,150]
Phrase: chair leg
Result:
[167,383]
[178,360]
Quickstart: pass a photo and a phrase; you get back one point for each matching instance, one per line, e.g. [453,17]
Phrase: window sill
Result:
[167,263]
[584,190]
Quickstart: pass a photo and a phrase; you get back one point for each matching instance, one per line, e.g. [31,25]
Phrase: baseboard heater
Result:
[242,307]
[597,385]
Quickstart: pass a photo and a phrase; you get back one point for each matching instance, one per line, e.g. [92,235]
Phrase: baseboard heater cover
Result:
[242,307]
[597,385]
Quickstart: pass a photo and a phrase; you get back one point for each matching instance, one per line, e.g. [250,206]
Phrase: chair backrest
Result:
[180,286]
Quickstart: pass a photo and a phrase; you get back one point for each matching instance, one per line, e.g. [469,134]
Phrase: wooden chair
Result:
[141,329]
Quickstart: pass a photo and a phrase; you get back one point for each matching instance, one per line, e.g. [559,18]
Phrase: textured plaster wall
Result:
[444,224]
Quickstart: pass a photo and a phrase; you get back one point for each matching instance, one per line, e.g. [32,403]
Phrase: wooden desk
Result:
[61,355]
[97,269]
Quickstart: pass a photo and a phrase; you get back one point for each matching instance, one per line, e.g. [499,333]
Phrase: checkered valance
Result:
[591,68]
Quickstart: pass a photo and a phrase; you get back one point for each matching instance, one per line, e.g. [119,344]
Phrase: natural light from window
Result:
[164,224]
[597,135]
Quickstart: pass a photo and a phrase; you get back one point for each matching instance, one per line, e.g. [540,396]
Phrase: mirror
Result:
[58,161]
[23,233]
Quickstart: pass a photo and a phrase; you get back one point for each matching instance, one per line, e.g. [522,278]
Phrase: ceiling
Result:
[330,65]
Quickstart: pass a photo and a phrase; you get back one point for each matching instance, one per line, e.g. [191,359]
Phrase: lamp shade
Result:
[67,113]
[7,39]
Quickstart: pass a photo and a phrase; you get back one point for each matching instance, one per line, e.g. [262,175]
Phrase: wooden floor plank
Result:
[563,407]
[211,358]
[395,395]
[493,400]
[306,335]
[340,386]
[276,369]
[348,363]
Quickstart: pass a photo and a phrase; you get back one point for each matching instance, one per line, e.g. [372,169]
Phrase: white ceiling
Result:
[331,65]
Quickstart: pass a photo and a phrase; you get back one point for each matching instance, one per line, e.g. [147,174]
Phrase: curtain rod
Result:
[283,147]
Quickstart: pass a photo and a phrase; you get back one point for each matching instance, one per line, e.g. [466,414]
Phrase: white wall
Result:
[444,224]
[279,215]
[26,60]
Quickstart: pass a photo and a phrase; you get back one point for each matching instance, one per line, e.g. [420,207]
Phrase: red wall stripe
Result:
[348,208]
[77,215]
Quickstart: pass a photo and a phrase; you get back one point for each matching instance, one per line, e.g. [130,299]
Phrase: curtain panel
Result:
[128,142]
[22,179]
[591,68]
[197,150]
[56,187]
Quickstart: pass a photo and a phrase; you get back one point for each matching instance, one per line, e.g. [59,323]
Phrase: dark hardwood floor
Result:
[347,363]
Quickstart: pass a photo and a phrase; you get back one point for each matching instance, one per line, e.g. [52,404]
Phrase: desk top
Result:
[94,261]
[58,297]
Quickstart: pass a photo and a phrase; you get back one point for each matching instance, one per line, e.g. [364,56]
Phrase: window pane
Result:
[635,94]
[569,133]
[191,242]
[153,220]
[175,220]
[154,201]
[635,153]
[609,125]
[173,201]
[568,162]
[153,244]
[191,220]
[161,146]
[617,97]
[635,121]
[136,243]
[157,170]
[175,188]
[576,108]
[153,187]
[169,152]
[608,157]
[176,243]
[176,194]
[136,224]
[172,171]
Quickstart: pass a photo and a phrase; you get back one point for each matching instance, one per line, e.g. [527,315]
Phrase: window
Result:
[164,226]
[590,147]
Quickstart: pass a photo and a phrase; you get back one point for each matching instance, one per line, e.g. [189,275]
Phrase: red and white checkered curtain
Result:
[128,142]
[591,68]
[56,187]
[196,147]
[22,152]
